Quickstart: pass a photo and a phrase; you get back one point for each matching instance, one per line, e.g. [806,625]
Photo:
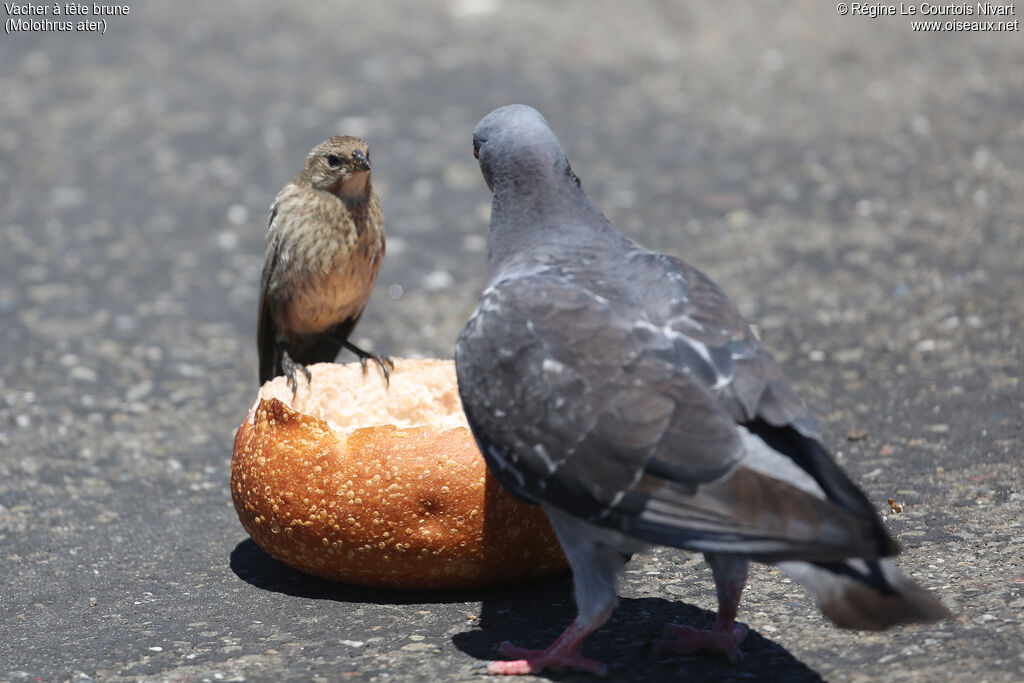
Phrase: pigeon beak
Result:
[476,155]
[360,161]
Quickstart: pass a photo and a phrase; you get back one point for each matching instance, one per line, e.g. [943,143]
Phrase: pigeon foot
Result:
[561,655]
[554,658]
[724,640]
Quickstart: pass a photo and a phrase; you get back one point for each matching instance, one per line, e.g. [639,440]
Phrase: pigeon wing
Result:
[568,376]
[579,402]
[747,381]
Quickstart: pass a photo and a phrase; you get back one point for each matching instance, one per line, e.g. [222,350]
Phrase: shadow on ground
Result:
[255,566]
[624,643]
[533,614]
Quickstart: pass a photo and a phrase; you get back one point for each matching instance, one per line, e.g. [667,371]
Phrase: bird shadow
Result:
[533,614]
[625,643]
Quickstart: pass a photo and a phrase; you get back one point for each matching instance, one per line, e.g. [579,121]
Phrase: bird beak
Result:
[360,161]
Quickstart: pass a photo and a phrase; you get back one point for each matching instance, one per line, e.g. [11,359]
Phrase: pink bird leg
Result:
[561,655]
[725,636]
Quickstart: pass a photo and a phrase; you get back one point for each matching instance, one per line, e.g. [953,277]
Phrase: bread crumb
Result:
[348,399]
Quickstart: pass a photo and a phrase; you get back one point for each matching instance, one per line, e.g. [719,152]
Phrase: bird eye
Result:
[333,160]
[476,152]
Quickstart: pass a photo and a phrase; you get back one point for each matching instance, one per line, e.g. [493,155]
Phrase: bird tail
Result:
[270,352]
[866,594]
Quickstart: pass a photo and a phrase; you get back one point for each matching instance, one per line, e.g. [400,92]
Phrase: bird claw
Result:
[685,639]
[529,661]
[385,363]
[288,366]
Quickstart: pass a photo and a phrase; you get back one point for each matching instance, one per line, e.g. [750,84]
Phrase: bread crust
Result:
[384,506]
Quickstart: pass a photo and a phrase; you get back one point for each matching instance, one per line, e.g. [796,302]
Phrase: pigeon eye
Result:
[333,160]
[476,152]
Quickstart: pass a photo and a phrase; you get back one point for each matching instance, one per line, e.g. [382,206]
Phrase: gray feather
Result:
[621,389]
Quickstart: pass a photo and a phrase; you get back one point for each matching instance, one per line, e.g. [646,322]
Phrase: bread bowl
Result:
[381,485]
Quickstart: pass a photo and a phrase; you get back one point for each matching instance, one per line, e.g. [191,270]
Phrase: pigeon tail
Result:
[866,594]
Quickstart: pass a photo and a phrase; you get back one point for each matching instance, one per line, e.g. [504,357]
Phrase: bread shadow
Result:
[258,568]
[625,643]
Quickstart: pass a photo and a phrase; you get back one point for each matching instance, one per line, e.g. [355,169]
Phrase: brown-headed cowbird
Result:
[324,247]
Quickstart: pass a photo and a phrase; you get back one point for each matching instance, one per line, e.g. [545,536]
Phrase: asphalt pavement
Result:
[856,185]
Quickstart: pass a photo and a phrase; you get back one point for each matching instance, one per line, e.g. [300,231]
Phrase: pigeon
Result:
[620,389]
[325,243]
